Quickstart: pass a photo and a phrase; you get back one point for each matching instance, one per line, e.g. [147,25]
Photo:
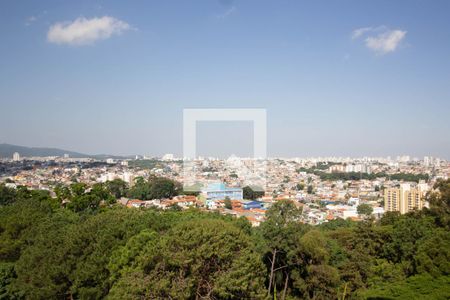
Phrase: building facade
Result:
[219,191]
[16,156]
[405,198]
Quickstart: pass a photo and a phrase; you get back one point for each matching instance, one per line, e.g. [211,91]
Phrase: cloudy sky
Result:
[344,78]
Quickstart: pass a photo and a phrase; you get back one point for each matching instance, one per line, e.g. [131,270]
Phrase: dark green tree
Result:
[197,259]
[364,210]
[252,192]
[117,187]
[227,203]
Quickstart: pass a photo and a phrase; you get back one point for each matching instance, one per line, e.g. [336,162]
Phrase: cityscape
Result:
[224,150]
[326,188]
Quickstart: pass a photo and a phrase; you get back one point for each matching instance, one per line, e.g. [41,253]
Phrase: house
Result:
[252,204]
[183,201]
[135,203]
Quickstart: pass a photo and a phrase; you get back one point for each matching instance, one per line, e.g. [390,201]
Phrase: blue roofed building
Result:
[219,191]
[252,204]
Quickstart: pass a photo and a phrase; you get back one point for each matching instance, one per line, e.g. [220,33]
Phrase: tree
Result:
[7,195]
[196,259]
[83,199]
[62,193]
[84,251]
[404,240]
[161,187]
[433,254]
[78,189]
[140,189]
[102,192]
[439,200]
[117,187]
[364,210]
[7,275]
[279,231]
[300,186]
[312,277]
[252,192]
[421,286]
[390,217]
[18,225]
[124,257]
[155,188]
[43,268]
[227,203]
[310,189]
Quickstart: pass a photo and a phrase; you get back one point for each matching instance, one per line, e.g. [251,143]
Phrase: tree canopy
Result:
[82,245]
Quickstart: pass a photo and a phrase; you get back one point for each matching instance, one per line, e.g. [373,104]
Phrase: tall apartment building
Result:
[405,198]
[16,156]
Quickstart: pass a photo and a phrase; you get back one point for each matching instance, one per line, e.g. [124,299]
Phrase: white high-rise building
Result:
[168,156]
[16,156]
[437,162]
[128,178]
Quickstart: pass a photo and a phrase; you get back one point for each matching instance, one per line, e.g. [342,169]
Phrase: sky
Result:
[337,78]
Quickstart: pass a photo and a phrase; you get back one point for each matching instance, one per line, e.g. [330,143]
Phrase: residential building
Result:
[218,191]
[405,198]
[16,156]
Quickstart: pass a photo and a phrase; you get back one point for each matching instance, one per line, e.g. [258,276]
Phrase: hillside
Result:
[7,150]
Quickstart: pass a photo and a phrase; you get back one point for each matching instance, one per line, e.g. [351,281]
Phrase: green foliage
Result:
[146,163]
[359,175]
[117,187]
[416,287]
[406,236]
[337,223]
[252,193]
[154,188]
[364,210]
[390,217]
[124,257]
[439,201]
[7,275]
[433,254]
[201,258]
[7,195]
[92,249]
[227,203]
[18,226]
[300,187]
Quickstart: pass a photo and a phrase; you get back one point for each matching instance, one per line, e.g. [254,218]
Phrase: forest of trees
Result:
[81,245]
[320,171]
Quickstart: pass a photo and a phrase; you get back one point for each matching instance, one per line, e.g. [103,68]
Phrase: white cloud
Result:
[227,13]
[360,31]
[380,39]
[84,31]
[30,20]
[385,42]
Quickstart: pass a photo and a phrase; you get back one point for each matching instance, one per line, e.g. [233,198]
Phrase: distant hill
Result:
[7,150]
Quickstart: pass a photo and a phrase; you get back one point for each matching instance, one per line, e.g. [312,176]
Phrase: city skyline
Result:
[67,153]
[336,80]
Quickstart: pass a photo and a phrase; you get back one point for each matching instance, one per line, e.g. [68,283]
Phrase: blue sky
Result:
[115,76]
